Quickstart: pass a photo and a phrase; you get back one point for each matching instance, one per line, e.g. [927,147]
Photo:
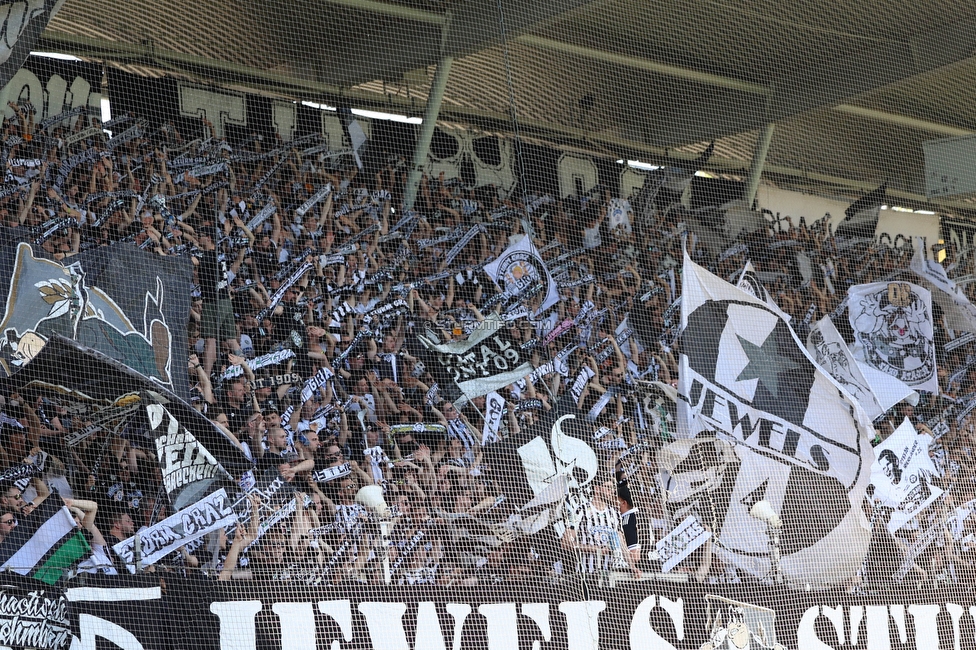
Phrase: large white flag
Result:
[893,331]
[801,442]
[960,314]
[521,267]
[900,474]
[829,349]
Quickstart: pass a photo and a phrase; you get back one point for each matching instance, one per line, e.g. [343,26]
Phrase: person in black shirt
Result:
[121,527]
[289,319]
[217,320]
[628,515]
[233,401]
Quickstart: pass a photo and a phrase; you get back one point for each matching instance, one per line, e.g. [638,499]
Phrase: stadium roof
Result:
[853,88]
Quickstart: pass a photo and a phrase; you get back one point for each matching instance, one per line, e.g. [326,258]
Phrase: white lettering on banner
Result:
[182,458]
[237,629]
[877,629]
[583,623]
[385,625]
[93,627]
[339,611]
[297,625]
[768,434]
[33,620]
[193,522]
[50,99]
[578,174]
[645,637]
[221,108]
[482,361]
[657,623]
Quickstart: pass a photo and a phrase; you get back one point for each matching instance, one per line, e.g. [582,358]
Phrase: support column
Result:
[426,130]
[758,161]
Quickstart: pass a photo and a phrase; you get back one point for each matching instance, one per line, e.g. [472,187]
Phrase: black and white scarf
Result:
[465,239]
[268,174]
[89,155]
[322,192]
[266,213]
[131,133]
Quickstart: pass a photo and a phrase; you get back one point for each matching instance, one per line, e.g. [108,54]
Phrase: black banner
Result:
[98,379]
[32,614]
[126,303]
[645,615]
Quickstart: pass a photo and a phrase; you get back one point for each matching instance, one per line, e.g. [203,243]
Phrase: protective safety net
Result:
[491,324]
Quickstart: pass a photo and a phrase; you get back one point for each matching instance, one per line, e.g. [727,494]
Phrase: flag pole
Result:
[862,571]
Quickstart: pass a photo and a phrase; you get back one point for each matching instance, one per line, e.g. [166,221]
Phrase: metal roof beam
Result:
[807,86]
[397,11]
[901,120]
[381,40]
[644,64]
[479,24]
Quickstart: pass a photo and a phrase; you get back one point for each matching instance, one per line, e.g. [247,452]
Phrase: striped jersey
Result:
[601,528]
[456,428]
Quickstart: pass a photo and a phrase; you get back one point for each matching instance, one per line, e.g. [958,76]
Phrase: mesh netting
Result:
[496,324]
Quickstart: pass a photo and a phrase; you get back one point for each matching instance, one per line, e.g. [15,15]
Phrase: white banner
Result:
[681,542]
[893,331]
[487,360]
[780,207]
[745,378]
[494,409]
[207,515]
[900,474]
[832,354]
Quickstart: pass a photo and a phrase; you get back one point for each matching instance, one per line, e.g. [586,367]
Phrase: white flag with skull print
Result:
[800,442]
[893,332]
[829,349]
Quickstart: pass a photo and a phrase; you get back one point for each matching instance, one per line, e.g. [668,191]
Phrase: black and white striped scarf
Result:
[457,428]
[339,313]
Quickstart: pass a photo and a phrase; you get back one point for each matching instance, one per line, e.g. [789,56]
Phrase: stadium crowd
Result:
[291,294]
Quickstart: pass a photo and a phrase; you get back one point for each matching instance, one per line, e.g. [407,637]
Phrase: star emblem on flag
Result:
[799,440]
[766,362]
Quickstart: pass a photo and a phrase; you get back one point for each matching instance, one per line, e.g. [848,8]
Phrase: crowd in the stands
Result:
[377,415]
